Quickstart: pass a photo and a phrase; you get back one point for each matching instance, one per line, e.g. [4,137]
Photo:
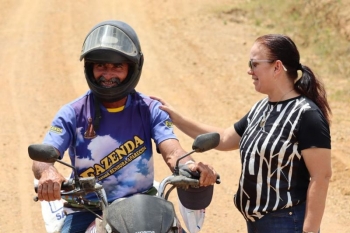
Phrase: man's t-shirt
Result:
[119,152]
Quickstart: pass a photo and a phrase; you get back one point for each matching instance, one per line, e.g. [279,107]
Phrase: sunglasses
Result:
[253,63]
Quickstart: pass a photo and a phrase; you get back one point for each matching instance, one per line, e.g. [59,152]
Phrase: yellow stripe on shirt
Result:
[119,109]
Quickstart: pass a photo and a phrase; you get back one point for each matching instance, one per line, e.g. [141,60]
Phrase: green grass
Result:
[317,28]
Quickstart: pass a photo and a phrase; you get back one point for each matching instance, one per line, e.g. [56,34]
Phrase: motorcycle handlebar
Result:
[68,185]
[69,188]
[185,171]
[218,181]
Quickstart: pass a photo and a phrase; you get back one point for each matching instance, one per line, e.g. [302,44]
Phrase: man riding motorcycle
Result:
[108,131]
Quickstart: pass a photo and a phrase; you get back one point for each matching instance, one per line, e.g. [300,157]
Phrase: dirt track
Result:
[192,59]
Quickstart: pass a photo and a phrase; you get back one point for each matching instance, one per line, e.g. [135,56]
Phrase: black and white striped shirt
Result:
[274,175]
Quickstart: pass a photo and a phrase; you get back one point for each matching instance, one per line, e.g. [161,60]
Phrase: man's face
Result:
[110,74]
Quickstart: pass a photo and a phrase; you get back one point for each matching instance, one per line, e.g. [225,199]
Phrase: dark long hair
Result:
[282,48]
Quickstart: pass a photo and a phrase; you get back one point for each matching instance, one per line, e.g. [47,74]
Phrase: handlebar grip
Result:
[66,185]
[185,171]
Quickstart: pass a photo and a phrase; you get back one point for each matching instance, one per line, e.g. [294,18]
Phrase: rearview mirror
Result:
[43,153]
[205,142]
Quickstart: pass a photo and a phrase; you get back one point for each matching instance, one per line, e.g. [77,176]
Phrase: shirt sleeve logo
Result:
[56,129]
[169,124]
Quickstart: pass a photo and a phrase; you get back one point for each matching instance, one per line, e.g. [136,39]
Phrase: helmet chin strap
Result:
[97,116]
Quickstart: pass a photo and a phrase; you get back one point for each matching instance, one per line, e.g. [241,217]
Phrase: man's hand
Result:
[208,175]
[49,186]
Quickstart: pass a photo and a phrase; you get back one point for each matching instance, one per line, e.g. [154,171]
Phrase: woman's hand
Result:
[175,116]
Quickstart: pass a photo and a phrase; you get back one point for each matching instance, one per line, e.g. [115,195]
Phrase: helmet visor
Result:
[111,38]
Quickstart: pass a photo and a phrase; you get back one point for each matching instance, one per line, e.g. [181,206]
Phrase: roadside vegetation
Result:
[320,28]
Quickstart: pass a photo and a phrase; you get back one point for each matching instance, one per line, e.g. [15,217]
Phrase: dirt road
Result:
[193,58]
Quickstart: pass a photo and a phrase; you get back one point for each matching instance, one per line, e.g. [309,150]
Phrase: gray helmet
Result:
[112,42]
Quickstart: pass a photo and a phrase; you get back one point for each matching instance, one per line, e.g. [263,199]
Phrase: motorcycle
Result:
[140,213]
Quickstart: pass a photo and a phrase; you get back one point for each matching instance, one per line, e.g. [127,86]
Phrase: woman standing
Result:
[284,142]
